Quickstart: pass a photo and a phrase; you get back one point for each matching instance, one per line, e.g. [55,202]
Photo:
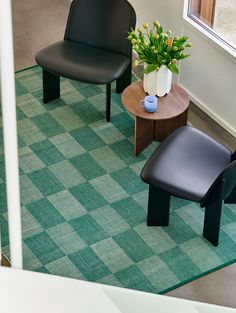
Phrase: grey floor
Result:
[38,23]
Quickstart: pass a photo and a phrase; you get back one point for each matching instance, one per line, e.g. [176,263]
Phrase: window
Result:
[217,17]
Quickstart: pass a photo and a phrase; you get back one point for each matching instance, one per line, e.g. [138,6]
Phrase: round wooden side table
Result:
[172,113]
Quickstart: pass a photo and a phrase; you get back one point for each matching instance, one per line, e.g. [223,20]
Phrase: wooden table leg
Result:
[143,134]
[163,128]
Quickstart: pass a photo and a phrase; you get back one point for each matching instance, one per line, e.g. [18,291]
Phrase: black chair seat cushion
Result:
[186,164]
[80,62]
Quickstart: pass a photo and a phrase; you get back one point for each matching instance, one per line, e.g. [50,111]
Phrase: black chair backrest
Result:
[228,175]
[102,24]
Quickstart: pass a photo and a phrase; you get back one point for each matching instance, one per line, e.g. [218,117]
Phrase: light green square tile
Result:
[29,105]
[29,161]
[30,260]
[230,230]
[67,118]
[107,159]
[67,145]
[28,191]
[67,174]
[30,225]
[158,273]
[29,80]
[142,198]
[201,253]
[110,221]
[69,94]
[99,102]
[108,188]
[66,238]
[68,206]
[155,237]
[107,132]
[110,280]
[193,216]
[28,132]
[137,167]
[64,267]
[109,252]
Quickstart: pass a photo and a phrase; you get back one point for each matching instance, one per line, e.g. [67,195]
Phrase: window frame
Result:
[207,33]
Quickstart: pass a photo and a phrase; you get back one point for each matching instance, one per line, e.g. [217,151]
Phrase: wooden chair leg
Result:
[158,207]
[125,79]
[51,86]
[108,102]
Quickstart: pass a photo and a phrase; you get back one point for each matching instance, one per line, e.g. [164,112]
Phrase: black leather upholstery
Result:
[95,48]
[190,165]
[186,164]
[80,62]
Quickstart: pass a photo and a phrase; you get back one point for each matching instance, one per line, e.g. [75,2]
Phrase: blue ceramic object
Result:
[150,104]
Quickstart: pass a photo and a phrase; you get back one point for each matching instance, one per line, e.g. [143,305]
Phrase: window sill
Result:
[211,39]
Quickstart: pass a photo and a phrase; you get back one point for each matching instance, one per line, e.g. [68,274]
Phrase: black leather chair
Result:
[95,48]
[190,165]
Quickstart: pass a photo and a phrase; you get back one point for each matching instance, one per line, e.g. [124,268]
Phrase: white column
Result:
[10,133]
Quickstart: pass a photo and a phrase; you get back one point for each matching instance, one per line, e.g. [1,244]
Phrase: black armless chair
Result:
[95,48]
[190,165]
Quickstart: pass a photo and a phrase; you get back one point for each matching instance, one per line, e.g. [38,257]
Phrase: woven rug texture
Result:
[84,204]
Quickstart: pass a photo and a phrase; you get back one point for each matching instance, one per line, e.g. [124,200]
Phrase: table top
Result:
[26,292]
[169,106]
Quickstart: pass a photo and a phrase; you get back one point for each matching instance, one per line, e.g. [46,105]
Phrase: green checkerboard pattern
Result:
[84,205]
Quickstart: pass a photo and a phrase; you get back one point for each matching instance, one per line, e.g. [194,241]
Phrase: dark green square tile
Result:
[125,150]
[129,180]
[86,90]
[124,123]
[88,139]
[88,229]
[133,278]
[3,198]
[178,230]
[46,182]
[4,231]
[43,270]
[44,248]
[87,166]
[20,89]
[87,112]
[48,125]
[45,213]
[133,245]
[47,152]
[88,197]
[85,260]
[20,114]
[130,211]
[179,263]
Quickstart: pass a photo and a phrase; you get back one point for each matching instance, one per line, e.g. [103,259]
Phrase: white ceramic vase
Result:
[158,83]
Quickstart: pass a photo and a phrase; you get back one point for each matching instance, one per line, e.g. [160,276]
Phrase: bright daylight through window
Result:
[216,16]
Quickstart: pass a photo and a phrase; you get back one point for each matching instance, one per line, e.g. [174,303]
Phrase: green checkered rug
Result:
[84,205]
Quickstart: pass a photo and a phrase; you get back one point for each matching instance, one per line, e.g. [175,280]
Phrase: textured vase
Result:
[158,83]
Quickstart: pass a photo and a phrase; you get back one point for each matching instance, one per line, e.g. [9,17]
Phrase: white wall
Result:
[209,74]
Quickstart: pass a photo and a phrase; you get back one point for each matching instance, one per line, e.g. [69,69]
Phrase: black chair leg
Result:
[158,207]
[108,102]
[213,208]
[51,86]
[125,79]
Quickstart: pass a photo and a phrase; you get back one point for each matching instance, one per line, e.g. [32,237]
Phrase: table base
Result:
[147,131]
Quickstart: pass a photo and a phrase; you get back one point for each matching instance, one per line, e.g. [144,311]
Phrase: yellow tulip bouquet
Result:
[156,48]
